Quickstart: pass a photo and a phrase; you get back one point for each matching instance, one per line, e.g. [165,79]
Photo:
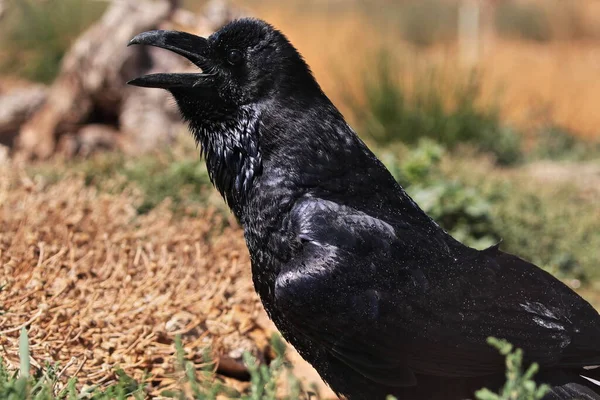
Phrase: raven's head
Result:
[244,63]
[244,67]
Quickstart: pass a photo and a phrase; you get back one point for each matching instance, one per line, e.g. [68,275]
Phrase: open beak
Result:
[185,44]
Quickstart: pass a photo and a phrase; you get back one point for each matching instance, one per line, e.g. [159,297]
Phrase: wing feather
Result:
[367,291]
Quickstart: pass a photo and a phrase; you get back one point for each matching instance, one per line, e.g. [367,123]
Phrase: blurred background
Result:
[113,241]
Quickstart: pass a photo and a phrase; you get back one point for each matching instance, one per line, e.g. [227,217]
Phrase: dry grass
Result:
[99,286]
[547,82]
[535,83]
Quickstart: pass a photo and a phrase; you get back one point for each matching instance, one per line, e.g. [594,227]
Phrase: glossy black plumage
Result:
[370,290]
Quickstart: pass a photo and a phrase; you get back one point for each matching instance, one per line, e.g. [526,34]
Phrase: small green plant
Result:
[44,383]
[265,380]
[519,383]
[205,387]
[391,113]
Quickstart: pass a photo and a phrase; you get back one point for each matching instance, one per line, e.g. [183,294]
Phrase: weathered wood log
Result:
[149,118]
[16,107]
[89,139]
[93,74]
[91,86]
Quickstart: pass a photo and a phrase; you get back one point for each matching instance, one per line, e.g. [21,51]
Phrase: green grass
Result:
[265,380]
[447,112]
[461,210]
[555,143]
[555,229]
[552,224]
[35,35]
[170,174]
[46,384]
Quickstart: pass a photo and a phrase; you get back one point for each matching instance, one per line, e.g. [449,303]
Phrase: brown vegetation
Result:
[100,287]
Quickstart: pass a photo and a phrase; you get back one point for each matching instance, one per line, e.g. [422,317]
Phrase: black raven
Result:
[366,286]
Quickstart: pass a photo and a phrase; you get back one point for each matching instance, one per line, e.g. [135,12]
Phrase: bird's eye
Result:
[234,57]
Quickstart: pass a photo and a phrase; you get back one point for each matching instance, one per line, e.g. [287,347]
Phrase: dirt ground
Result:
[99,287]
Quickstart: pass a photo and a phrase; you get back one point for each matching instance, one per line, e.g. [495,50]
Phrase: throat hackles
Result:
[231,150]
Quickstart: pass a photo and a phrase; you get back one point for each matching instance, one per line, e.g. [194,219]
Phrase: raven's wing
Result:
[391,302]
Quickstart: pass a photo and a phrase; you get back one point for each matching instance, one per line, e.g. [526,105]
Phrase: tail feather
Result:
[570,385]
[572,391]
[592,374]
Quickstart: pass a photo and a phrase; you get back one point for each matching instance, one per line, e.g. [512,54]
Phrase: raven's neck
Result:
[308,149]
[230,147]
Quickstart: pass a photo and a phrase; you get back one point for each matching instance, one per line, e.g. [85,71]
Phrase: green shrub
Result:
[553,230]
[549,225]
[460,210]
[390,113]
[181,178]
[556,143]
[553,224]
[36,34]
